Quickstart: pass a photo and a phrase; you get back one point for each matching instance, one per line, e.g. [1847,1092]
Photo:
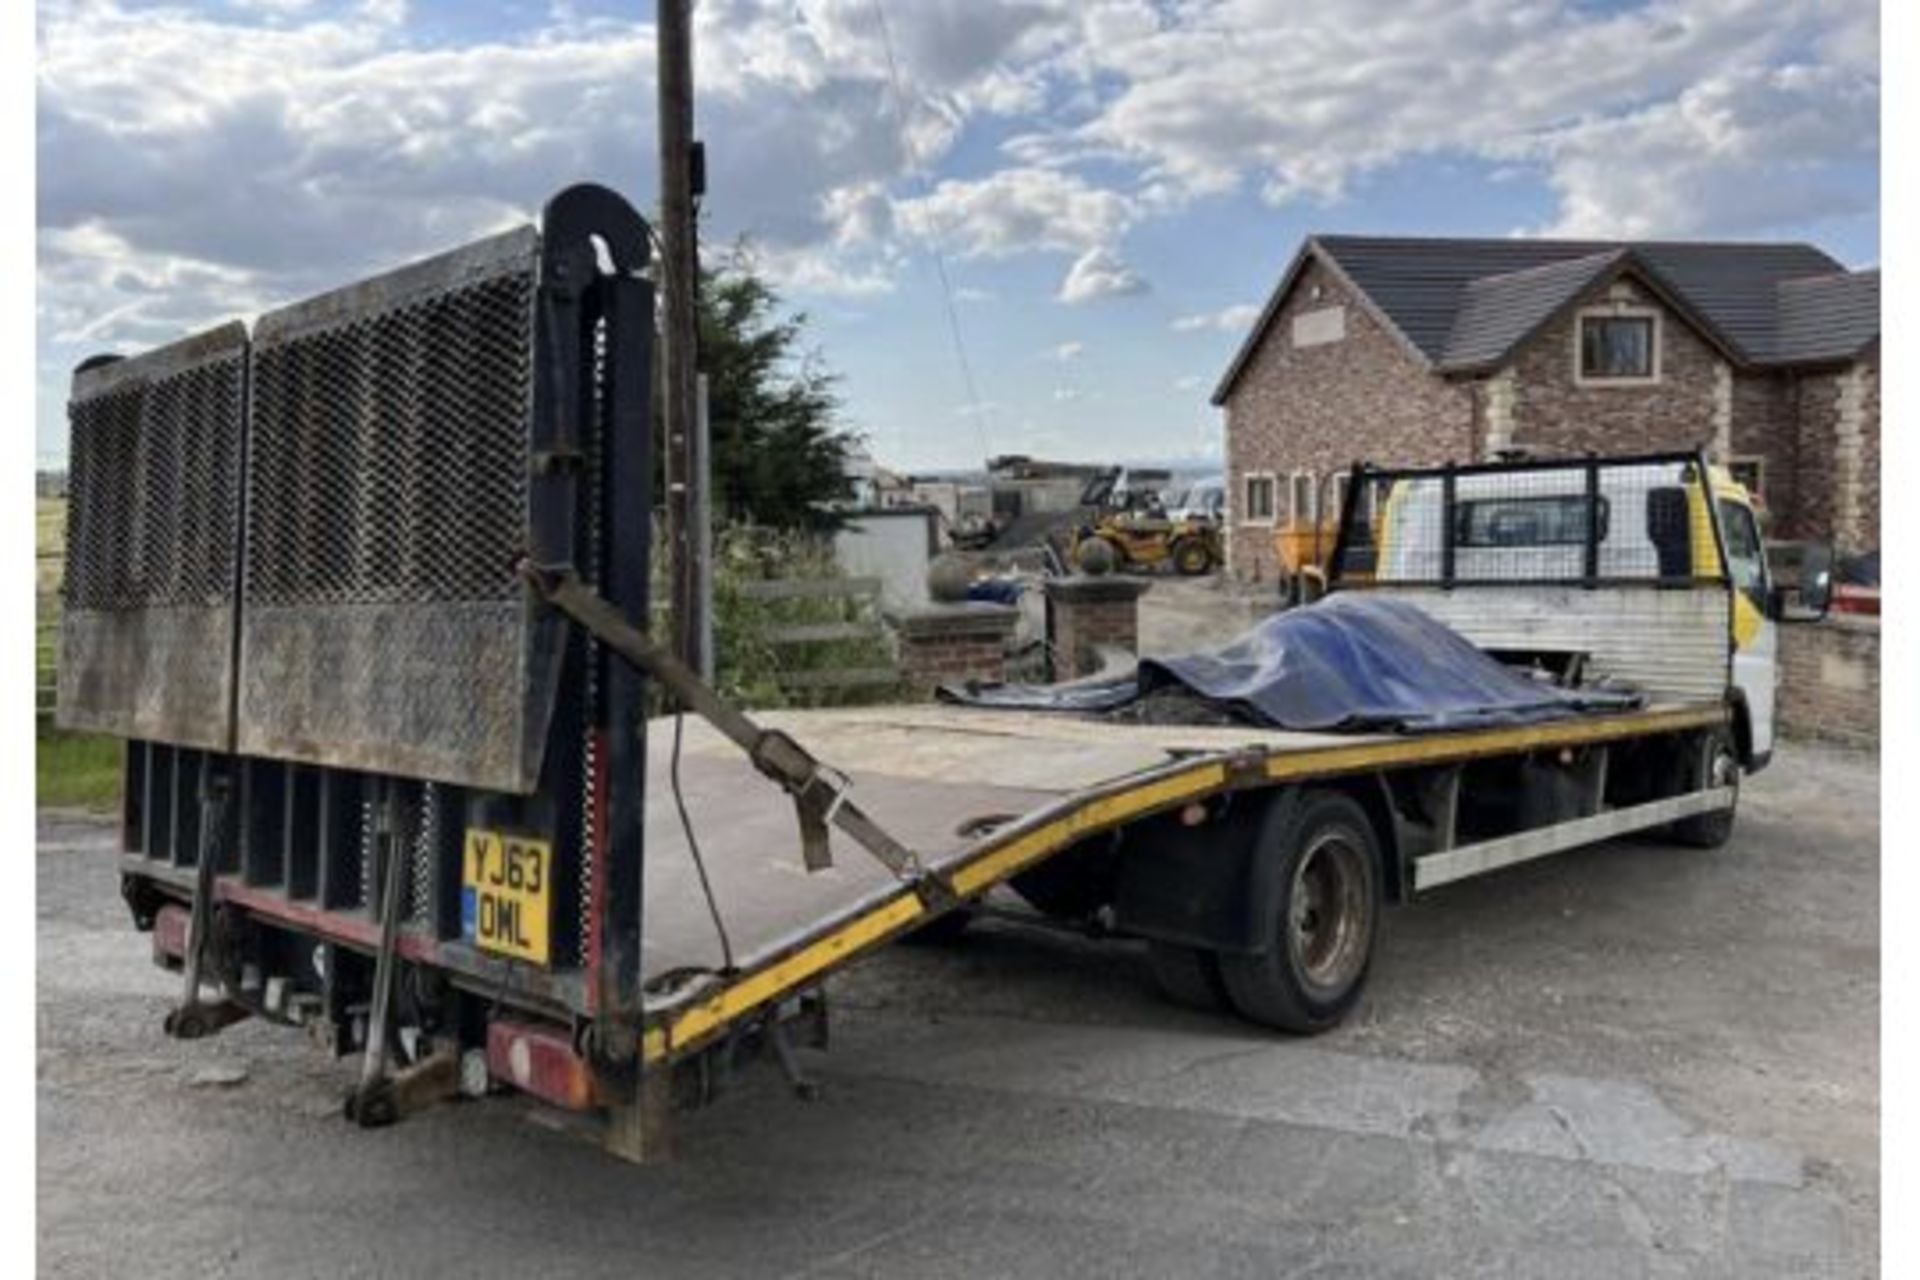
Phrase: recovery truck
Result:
[363,587]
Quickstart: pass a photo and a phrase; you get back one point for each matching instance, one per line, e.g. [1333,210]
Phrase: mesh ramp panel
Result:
[146,633]
[384,627]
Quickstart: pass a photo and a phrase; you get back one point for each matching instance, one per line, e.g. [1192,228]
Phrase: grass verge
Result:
[76,771]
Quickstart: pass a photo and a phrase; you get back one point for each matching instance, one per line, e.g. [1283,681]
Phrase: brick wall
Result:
[1831,456]
[1830,681]
[948,644]
[1869,532]
[1323,406]
[1763,427]
[1088,615]
[1856,498]
[1554,414]
[1816,416]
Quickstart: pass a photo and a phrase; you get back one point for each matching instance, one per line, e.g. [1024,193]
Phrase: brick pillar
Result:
[948,643]
[1086,614]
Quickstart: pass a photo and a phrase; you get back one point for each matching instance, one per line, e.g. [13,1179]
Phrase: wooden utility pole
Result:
[679,279]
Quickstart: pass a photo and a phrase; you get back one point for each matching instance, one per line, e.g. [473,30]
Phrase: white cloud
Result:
[1737,153]
[300,144]
[1189,382]
[1099,273]
[1025,210]
[198,162]
[1066,395]
[1298,101]
[278,8]
[1068,351]
[1228,319]
[390,13]
[294,156]
[1018,210]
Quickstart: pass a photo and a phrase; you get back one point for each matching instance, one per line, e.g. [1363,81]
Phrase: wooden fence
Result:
[835,658]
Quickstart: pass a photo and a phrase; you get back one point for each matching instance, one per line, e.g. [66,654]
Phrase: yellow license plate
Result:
[506,897]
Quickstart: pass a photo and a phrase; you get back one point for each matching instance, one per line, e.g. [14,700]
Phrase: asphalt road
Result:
[1633,1060]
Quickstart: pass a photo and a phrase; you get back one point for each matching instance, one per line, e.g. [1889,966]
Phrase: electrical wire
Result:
[975,409]
[693,846]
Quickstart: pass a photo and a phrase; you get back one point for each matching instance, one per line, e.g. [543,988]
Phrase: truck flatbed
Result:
[388,775]
[979,795]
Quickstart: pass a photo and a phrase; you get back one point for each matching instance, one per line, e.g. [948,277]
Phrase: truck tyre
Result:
[1191,558]
[1324,900]
[1187,975]
[1718,764]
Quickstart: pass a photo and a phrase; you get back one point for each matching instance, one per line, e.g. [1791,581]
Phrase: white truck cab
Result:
[1643,571]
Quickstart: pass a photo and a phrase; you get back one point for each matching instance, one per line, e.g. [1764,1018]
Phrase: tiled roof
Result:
[1496,311]
[1830,317]
[1464,304]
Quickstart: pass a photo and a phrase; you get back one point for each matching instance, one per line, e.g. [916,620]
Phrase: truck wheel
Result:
[1187,975]
[1721,768]
[1191,558]
[1325,902]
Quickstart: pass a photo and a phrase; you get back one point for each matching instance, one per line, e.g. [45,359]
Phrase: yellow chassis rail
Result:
[674,1032]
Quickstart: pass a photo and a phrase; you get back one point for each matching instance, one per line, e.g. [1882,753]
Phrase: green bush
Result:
[750,659]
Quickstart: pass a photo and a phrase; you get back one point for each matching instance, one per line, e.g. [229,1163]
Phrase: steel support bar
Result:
[371,1103]
[1488,855]
[612,950]
[193,1019]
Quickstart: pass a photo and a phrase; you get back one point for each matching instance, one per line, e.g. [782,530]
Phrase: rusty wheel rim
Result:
[1329,916]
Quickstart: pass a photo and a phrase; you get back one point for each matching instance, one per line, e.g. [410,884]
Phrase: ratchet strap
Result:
[819,793]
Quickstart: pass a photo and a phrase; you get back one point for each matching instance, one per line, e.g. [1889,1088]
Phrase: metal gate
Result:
[383,627]
[294,585]
[146,633]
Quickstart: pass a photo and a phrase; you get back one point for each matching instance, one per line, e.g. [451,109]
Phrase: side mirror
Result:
[1816,580]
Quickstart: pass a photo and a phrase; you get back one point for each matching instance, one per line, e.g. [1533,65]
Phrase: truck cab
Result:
[1647,571]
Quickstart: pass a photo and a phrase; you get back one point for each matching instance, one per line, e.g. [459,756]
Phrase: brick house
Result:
[1419,351]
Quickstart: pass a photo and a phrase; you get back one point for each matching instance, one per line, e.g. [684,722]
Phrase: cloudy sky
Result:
[1112,185]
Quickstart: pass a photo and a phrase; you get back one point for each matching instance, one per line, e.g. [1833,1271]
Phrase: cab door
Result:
[1755,637]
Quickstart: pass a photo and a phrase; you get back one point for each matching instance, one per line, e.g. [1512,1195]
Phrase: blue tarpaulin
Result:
[1350,662]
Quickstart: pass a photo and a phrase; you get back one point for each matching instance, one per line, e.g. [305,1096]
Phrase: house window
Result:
[1303,498]
[1259,505]
[1750,474]
[1618,346]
